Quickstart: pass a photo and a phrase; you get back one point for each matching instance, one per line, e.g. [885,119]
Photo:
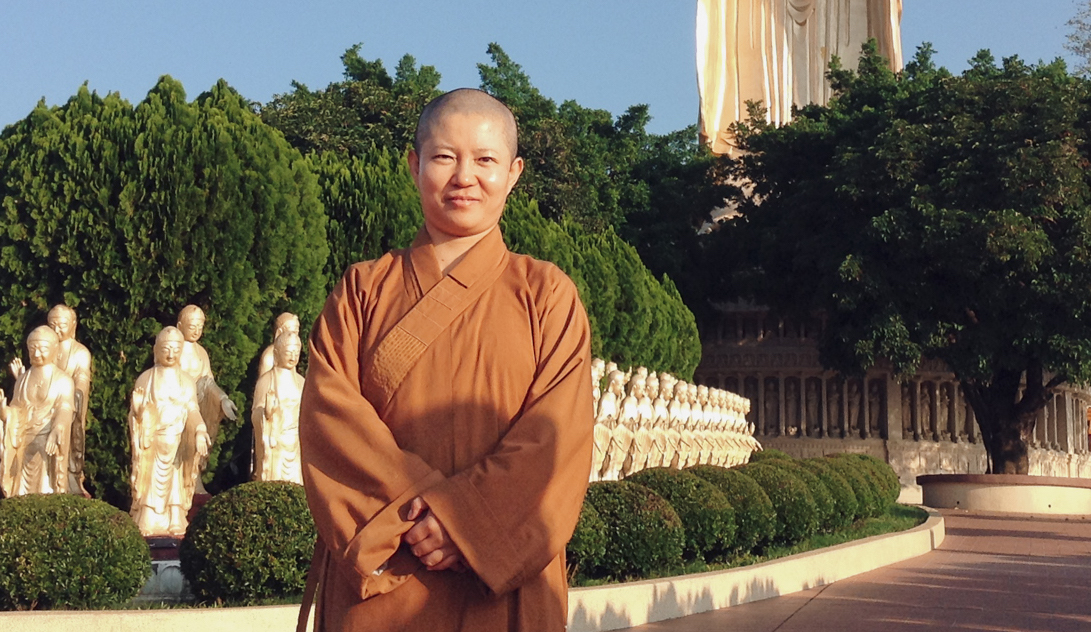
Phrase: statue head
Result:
[598,369]
[42,346]
[681,392]
[652,385]
[611,367]
[617,383]
[191,322]
[62,319]
[286,350]
[286,322]
[702,394]
[168,346]
[637,386]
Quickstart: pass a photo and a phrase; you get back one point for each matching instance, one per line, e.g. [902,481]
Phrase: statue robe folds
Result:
[276,426]
[470,391]
[163,420]
[28,468]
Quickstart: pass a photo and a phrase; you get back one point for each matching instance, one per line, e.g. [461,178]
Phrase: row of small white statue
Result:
[174,417]
[683,425]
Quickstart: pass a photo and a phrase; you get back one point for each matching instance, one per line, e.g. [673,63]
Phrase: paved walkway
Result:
[993,573]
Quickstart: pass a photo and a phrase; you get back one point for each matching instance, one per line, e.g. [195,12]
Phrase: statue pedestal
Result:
[163,547]
[166,584]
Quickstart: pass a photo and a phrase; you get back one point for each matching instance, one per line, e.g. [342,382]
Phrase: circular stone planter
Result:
[1007,493]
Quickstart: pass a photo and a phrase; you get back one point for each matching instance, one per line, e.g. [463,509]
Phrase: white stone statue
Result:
[276,414]
[605,421]
[75,360]
[642,438]
[37,423]
[214,403]
[777,52]
[286,322]
[167,434]
[680,413]
[621,434]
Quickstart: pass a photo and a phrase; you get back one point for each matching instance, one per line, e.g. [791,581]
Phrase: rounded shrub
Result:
[844,499]
[755,518]
[797,516]
[61,551]
[820,493]
[770,454]
[249,543]
[643,532]
[587,545]
[884,476]
[868,501]
[706,514]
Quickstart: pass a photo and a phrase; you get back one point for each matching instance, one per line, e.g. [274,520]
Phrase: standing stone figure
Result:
[75,360]
[276,414]
[285,323]
[37,423]
[777,52]
[605,421]
[167,432]
[213,402]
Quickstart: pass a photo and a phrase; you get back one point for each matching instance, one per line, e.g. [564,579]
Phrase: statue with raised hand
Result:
[37,421]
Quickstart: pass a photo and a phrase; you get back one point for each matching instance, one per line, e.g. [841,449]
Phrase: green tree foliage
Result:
[635,318]
[371,204]
[129,213]
[368,109]
[931,215]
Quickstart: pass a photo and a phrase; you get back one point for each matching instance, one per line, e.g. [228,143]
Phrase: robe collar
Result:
[483,256]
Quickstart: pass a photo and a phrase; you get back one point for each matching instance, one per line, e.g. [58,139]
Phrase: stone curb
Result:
[593,609]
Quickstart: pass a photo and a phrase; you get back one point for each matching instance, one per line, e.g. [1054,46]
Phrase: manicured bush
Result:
[60,551]
[707,516]
[869,502]
[797,516]
[884,475]
[643,532]
[249,543]
[755,518]
[820,493]
[844,499]
[770,454]
[588,544]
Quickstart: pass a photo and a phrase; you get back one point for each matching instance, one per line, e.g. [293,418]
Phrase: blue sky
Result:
[602,53]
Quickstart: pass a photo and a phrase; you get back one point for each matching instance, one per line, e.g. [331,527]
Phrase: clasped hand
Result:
[429,540]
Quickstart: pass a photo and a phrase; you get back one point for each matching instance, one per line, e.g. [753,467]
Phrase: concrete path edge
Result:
[619,606]
[594,609]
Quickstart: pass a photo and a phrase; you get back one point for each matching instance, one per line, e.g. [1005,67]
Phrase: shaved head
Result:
[467,101]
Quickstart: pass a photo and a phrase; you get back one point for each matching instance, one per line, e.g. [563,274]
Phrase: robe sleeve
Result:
[358,481]
[514,510]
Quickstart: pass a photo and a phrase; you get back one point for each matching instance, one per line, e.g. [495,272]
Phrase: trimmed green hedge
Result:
[60,551]
[886,479]
[755,518]
[820,493]
[869,501]
[644,533]
[844,499]
[706,514]
[770,454]
[587,546]
[252,542]
[797,516]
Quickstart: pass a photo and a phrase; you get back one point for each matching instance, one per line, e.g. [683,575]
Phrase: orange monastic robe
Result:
[491,426]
